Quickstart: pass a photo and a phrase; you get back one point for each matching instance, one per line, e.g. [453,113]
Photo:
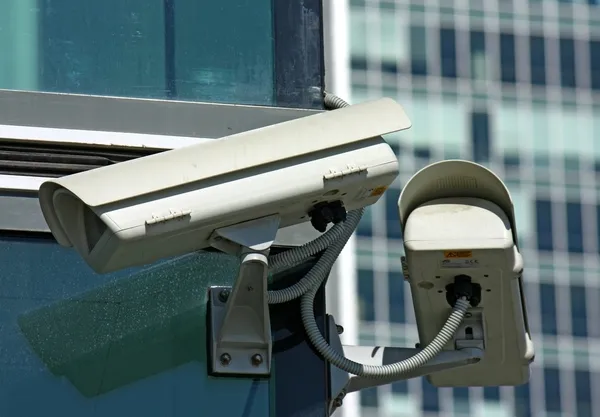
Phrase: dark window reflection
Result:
[369,397]
[480,136]
[448,53]
[366,294]
[522,401]
[567,62]
[431,399]
[578,311]
[543,210]
[478,55]
[537,60]
[400,387]
[595,63]
[391,213]
[548,307]
[552,389]
[574,227]
[418,50]
[583,393]
[508,64]
[491,393]
[396,289]
[77,344]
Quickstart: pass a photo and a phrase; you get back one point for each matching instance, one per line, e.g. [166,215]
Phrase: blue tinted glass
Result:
[366,294]
[574,227]
[548,305]
[478,55]
[522,401]
[461,400]
[400,387]
[369,397]
[418,50]
[567,62]
[365,226]
[537,60]
[595,63]
[552,389]
[480,136]
[583,393]
[234,51]
[508,71]
[392,216]
[491,393]
[448,53]
[78,344]
[578,311]
[396,290]
[543,210]
[431,399]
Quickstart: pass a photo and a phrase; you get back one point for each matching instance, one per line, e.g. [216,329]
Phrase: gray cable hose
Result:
[382,371]
[320,270]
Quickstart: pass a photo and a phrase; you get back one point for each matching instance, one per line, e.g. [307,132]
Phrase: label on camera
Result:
[460,263]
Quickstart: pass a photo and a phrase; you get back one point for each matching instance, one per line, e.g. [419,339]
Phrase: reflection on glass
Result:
[366,294]
[478,56]
[122,344]
[418,50]
[448,53]
[537,60]
[508,68]
[223,51]
[567,62]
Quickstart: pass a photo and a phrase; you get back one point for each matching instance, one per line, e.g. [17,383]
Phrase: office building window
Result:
[392,216]
[366,295]
[478,55]
[595,63]
[480,136]
[369,397]
[567,62]
[431,400]
[583,393]
[548,308]
[574,227]
[448,53]
[508,63]
[461,400]
[543,211]
[537,60]
[365,226]
[578,311]
[491,393]
[552,389]
[418,50]
[400,387]
[522,401]
[396,288]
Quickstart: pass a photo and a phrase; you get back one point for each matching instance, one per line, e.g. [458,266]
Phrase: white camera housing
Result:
[458,219]
[168,204]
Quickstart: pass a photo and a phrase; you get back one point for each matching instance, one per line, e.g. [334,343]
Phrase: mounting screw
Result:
[339,329]
[338,402]
[224,295]
[256,360]
[225,359]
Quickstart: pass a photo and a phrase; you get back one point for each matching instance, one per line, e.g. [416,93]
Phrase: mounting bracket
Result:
[240,327]
[466,352]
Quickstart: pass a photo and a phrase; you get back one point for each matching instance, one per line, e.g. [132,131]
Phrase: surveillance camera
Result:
[313,168]
[460,239]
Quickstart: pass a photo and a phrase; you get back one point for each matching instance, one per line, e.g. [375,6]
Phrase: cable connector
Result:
[463,287]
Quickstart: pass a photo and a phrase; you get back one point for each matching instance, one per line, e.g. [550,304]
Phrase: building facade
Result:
[514,85]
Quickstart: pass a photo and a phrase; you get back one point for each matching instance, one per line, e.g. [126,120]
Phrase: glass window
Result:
[369,397]
[365,226]
[567,63]
[395,42]
[366,294]
[578,311]
[418,50]
[392,216]
[552,389]
[543,209]
[595,63]
[537,60]
[131,342]
[491,394]
[448,53]
[508,132]
[478,55]
[508,64]
[548,307]
[583,393]
[480,136]
[522,401]
[431,399]
[396,292]
[230,51]
[574,227]
[400,387]
[358,34]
